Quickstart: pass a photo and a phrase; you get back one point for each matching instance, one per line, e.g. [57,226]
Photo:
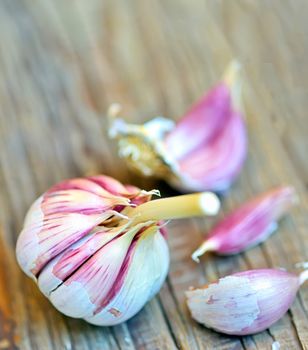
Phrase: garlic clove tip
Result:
[206,246]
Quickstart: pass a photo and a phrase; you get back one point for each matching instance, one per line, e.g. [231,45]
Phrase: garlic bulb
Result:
[250,224]
[246,302]
[205,150]
[96,248]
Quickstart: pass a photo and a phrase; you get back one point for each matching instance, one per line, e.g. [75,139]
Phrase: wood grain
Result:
[63,62]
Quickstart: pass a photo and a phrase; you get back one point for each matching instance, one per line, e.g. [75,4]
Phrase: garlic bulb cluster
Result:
[205,150]
[96,248]
[251,223]
[246,302]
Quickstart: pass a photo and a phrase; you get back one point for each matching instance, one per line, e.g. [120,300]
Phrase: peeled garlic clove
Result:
[96,247]
[249,224]
[246,302]
[205,150]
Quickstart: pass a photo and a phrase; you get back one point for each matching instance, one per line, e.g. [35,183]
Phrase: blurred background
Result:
[63,62]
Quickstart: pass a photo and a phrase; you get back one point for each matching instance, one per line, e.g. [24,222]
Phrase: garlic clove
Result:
[215,144]
[139,282]
[246,302]
[205,150]
[208,116]
[249,224]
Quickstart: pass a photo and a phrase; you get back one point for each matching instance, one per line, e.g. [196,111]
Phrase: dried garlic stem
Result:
[197,204]
[233,80]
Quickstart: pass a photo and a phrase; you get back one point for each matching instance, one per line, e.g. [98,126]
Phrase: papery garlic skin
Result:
[246,302]
[249,224]
[87,267]
[205,150]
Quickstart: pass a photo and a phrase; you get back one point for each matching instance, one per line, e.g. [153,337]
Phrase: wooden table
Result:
[63,62]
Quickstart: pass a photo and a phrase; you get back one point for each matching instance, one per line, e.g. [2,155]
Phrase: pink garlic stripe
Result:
[66,213]
[249,224]
[246,302]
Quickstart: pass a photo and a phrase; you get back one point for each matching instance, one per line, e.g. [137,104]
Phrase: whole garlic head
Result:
[86,256]
[97,249]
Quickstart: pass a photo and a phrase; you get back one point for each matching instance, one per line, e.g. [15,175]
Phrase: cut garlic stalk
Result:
[198,204]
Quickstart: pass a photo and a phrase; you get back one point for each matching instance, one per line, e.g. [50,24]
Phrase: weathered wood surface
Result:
[63,62]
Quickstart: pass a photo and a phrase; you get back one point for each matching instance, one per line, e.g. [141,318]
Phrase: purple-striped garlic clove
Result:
[205,150]
[246,302]
[96,247]
[250,224]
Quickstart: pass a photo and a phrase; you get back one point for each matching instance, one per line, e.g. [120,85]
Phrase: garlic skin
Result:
[86,268]
[246,302]
[205,150]
[97,248]
[250,224]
